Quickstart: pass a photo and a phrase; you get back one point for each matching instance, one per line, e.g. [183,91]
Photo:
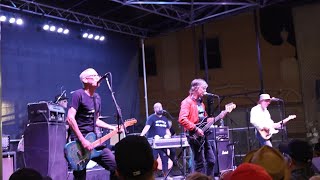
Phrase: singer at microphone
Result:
[103,77]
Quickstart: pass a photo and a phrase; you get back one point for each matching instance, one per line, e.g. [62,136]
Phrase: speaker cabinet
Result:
[224,155]
[44,149]
[8,164]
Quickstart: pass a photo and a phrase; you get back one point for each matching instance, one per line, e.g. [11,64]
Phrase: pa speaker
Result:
[225,155]
[44,149]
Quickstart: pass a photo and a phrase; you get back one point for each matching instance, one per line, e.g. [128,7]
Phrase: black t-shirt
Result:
[158,125]
[86,109]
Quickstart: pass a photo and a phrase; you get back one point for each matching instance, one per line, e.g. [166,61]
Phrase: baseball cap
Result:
[250,171]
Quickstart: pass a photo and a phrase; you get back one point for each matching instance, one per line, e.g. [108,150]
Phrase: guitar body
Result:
[194,136]
[267,134]
[77,156]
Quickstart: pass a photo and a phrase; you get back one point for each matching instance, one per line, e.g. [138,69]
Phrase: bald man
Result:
[83,116]
[157,126]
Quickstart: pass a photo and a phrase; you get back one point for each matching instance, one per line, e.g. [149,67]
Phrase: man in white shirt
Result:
[260,118]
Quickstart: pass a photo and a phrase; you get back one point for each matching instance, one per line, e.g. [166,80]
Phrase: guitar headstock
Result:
[230,106]
[130,122]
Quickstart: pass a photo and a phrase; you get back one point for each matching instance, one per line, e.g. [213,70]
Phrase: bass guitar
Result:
[78,157]
[267,133]
[204,125]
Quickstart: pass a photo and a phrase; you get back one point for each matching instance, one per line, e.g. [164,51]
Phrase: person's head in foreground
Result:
[271,160]
[134,159]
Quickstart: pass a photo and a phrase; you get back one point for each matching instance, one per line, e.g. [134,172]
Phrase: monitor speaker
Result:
[44,149]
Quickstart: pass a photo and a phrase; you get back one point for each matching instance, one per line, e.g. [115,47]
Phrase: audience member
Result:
[316,149]
[301,154]
[315,177]
[271,160]
[134,158]
[249,171]
[26,173]
[198,176]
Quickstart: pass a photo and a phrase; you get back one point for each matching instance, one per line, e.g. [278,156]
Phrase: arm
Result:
[183,116]
[74,126]
[145,130]
[279,124]
[102,124]
[168,133]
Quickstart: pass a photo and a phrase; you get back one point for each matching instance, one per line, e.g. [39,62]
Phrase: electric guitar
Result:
[204,125]
[78,157]
[267,133]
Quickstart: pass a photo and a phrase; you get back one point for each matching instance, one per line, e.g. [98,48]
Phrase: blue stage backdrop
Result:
[37,65]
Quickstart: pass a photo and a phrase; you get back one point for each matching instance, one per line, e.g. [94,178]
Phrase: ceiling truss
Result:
[184,12]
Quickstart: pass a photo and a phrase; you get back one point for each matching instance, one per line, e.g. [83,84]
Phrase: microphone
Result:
[103,77]
[164,111]
[210,94]
[276,99]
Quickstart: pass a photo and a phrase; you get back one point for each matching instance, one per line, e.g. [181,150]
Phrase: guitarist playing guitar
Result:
[260,118]
[192,112]
[83,116]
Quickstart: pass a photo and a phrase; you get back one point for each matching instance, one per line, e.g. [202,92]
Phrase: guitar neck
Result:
[208,125]
[101,140]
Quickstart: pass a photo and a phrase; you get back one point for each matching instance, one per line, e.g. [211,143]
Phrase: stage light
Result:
[101,38]
[66,31]
[52,28]
[45,27]
[60,30]
[85,35]
[96,37]
[3,18]
[90,36]
[19,21]
[12,20]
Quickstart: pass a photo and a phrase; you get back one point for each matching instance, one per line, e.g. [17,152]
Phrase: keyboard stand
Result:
[182,168]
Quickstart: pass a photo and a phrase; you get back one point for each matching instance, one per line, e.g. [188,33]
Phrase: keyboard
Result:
[173,142]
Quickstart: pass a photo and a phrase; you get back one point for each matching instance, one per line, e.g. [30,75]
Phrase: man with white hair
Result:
[260,118]
[85,108]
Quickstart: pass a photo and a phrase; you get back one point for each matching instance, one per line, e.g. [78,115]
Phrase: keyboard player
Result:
[157,126]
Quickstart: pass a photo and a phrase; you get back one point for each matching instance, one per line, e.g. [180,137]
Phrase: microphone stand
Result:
[58,99]
[281,113]
[119,114]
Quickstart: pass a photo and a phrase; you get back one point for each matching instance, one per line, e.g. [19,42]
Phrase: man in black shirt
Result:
[85,108]
[157,126]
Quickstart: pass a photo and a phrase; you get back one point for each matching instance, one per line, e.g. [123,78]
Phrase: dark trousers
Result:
[106,160]
[202,155]
[164,158]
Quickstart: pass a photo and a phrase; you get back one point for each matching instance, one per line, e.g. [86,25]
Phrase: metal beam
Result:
[73,17]
[165,11]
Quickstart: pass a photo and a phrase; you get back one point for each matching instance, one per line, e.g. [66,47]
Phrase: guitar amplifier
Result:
[219,133]
[45,112]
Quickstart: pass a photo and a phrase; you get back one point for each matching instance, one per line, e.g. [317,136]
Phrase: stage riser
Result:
[93,174]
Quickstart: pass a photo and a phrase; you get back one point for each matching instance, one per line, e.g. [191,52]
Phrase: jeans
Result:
[202,155]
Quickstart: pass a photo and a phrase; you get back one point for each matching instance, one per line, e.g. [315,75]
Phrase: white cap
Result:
[264,97]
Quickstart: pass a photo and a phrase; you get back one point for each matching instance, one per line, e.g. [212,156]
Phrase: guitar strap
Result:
[95,115]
